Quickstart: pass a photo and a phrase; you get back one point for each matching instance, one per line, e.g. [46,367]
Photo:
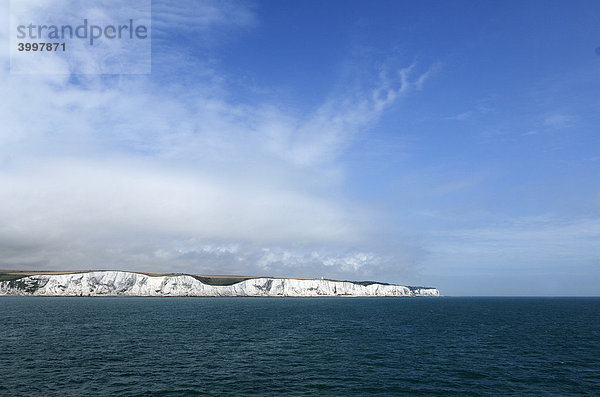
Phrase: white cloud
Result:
[462,116]
[520,242]
[559,121]
[477,111]
[124,172]
[201,16]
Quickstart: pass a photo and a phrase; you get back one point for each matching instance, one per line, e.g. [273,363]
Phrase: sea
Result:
[447,346]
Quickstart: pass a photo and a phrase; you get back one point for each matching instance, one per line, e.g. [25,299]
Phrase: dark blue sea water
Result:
[343,347]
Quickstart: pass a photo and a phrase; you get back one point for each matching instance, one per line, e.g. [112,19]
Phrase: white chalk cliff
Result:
[117,283]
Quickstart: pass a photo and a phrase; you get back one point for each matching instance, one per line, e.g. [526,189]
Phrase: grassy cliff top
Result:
[9,275]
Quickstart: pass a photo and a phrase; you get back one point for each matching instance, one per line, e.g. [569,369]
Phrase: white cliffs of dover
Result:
[119,283]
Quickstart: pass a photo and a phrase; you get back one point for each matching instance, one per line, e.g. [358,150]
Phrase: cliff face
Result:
[115,283]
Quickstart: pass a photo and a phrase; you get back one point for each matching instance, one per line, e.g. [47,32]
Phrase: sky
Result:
[448,144]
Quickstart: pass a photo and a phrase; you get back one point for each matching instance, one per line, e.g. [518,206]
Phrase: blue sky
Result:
[452,144]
